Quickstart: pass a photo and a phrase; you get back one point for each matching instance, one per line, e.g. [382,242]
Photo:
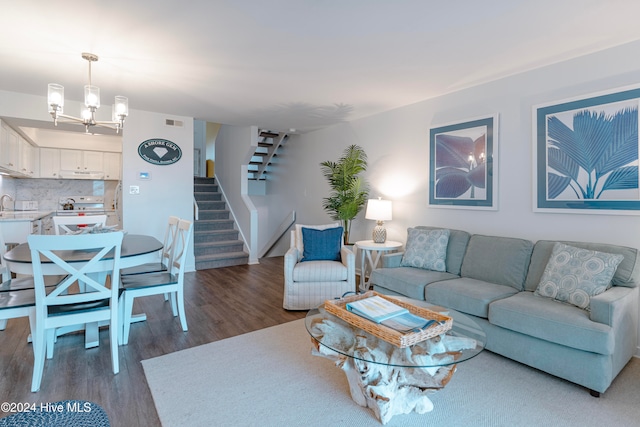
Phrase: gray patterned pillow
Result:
[426,249]
[574,275]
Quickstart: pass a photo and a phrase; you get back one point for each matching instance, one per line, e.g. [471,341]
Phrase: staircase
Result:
[216,242]
[268,145]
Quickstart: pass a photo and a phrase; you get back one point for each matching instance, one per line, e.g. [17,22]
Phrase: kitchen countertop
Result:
[15,216]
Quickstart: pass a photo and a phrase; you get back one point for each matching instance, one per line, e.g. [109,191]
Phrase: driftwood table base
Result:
[376,383]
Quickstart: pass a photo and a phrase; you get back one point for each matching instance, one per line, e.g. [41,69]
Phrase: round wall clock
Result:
[159,152]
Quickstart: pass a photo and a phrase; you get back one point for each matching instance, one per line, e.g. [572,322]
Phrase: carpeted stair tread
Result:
[219,243]
[225,255]
[216,240]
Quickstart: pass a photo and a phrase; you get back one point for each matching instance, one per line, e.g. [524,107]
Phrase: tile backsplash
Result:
[47,191]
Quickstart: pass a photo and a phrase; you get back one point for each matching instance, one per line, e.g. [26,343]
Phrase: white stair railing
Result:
[196,209]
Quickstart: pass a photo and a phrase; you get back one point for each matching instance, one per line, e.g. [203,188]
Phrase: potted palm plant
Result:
[349,191]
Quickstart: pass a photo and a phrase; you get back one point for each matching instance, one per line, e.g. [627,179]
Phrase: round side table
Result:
[366,248]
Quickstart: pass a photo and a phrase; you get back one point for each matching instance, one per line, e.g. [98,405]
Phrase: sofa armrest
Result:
[349,260]
[347,256]
[615,305]
[391,260]
[290,261]
[618,308]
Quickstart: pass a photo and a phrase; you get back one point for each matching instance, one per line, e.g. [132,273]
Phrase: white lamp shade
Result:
[55,97]
[92,96]
[378,209]
[120,108]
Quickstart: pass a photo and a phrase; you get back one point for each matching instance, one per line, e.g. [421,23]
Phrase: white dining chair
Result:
[62,307]
[17,297]
[166,255]
[165,282]
[63,224]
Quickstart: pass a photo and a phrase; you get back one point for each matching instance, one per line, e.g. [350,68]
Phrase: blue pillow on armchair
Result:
[321,245]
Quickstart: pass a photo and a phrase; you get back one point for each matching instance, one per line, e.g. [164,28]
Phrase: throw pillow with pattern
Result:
[426,249]
[573,275]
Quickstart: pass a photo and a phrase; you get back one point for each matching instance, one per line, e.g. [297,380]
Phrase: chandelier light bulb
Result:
[55,97]
[86,115]
[122,105]
[92,96]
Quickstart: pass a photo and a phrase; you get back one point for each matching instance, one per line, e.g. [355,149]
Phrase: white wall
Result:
[170,189]
[233,149]
[397,146]
[199,148]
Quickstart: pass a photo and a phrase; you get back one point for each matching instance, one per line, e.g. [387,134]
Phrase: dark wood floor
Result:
[220,303]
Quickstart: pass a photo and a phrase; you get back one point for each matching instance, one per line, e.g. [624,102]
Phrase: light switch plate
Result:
[134,189]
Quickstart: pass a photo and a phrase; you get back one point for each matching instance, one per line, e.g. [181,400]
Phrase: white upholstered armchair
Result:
[309,278]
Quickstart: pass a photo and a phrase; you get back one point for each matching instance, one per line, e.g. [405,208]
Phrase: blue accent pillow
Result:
[321,245]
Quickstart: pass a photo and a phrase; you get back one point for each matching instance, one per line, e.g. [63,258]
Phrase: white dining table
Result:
[137,249]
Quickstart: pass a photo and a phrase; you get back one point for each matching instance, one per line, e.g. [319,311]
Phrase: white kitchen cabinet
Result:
[19,158]
[49,163]
[93,160]
[15,231]
[9,148]
[112,165]
[54,162]
[71,160]
[28,159]
[78,160]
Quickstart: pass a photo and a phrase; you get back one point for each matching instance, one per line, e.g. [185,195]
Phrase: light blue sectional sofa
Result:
[494,279]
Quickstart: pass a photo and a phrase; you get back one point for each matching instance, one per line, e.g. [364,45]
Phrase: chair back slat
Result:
[168,247]
[61,223]
[181,243]
[104,246]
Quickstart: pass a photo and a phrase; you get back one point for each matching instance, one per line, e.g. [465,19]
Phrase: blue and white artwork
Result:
[587,154]
[463,164]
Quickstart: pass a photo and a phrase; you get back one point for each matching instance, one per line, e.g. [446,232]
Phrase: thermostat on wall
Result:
[145,175]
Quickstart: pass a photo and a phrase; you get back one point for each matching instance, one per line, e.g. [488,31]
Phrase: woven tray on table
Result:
[397,338]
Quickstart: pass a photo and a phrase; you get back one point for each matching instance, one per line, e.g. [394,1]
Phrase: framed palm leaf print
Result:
[586,154]
[463,164]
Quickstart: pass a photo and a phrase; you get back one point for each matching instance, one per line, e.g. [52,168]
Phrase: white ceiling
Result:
[301,64]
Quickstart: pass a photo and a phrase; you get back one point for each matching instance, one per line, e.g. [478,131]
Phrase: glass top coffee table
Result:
[388,379]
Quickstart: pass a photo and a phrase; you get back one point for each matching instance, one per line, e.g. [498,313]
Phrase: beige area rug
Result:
[269,378]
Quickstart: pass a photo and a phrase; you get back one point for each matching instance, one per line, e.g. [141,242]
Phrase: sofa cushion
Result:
[627,274]
[456,248]
[321,245]
[574,275]
[319,271]
[426,249]
[407,281]
[499,260]
[467,295]
[545,319]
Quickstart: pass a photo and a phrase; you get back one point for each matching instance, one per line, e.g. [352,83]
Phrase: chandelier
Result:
[91,104]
